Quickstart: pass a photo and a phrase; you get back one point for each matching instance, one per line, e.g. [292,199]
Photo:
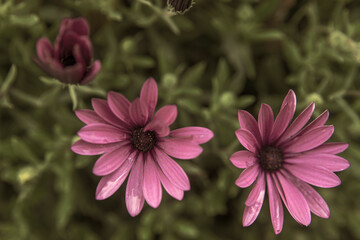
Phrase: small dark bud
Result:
[180,6]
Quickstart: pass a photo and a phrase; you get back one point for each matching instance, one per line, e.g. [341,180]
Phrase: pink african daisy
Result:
[70,60]
[136,142]
[286,159]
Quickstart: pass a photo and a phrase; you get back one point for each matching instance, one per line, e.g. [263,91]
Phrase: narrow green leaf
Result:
[10,78]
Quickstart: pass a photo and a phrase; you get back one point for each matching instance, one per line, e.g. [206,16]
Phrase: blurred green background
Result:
[220,56]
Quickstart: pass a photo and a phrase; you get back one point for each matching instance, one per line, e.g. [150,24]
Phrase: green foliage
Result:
[218,57]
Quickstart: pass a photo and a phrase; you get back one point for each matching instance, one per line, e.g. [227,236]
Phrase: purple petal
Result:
[82,51]
[258,189]
[329,161]
[101,107]
[111,161]
[88,116]
[149,95]
[248,122]
[248,176]
[247,140]
[316,203]
[295,201]
[44,50]
[243,159]
[318,122]
[138,112]
[77,25]
[101,133]
[119,105]
[266,122]
[92,72]
[170,188]
[309,140]
[276,208]
[161,129]
[199,135]
[166,114]
[134,197]
[330,148]
[151,187]
[180,148]
[317,176]
[172,170]
[84,148]
[109,184]
[251,212]
[281,123]
[298,123]
[71,74]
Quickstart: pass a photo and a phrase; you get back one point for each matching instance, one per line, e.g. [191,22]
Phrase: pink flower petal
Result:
[290,99]
[281,123]
[248,176]
[266,122]
[309,140]
[169,187]
[119,105]
[330,148]
[109,184]
[101,133]
[251,212]
[243,159]
[149,95]
[318,122]
[298,123]
[180,148]
[151,188]
[258,189]
[199,135]
[166,114]
[138,112]
[92,72]
[111,161]
[329,161]
[88,116]
[247,140]
[134,197]
[276,208]
[84,148]
[44,50]
[248,122]
[317,176]
[316,203]
[102,109]
[172,170]
[161,129]
[295,201]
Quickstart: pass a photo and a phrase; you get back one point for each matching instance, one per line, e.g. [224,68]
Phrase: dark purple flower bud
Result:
[180,6]
[70,60]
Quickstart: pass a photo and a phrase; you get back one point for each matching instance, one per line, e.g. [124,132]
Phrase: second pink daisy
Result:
[285,158]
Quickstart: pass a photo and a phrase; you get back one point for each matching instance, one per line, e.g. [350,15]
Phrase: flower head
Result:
[285,158]
[136,143]
[70,60]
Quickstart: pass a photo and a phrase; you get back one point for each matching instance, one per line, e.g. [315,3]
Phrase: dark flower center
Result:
[68,61]
[270,158]
[143,141]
